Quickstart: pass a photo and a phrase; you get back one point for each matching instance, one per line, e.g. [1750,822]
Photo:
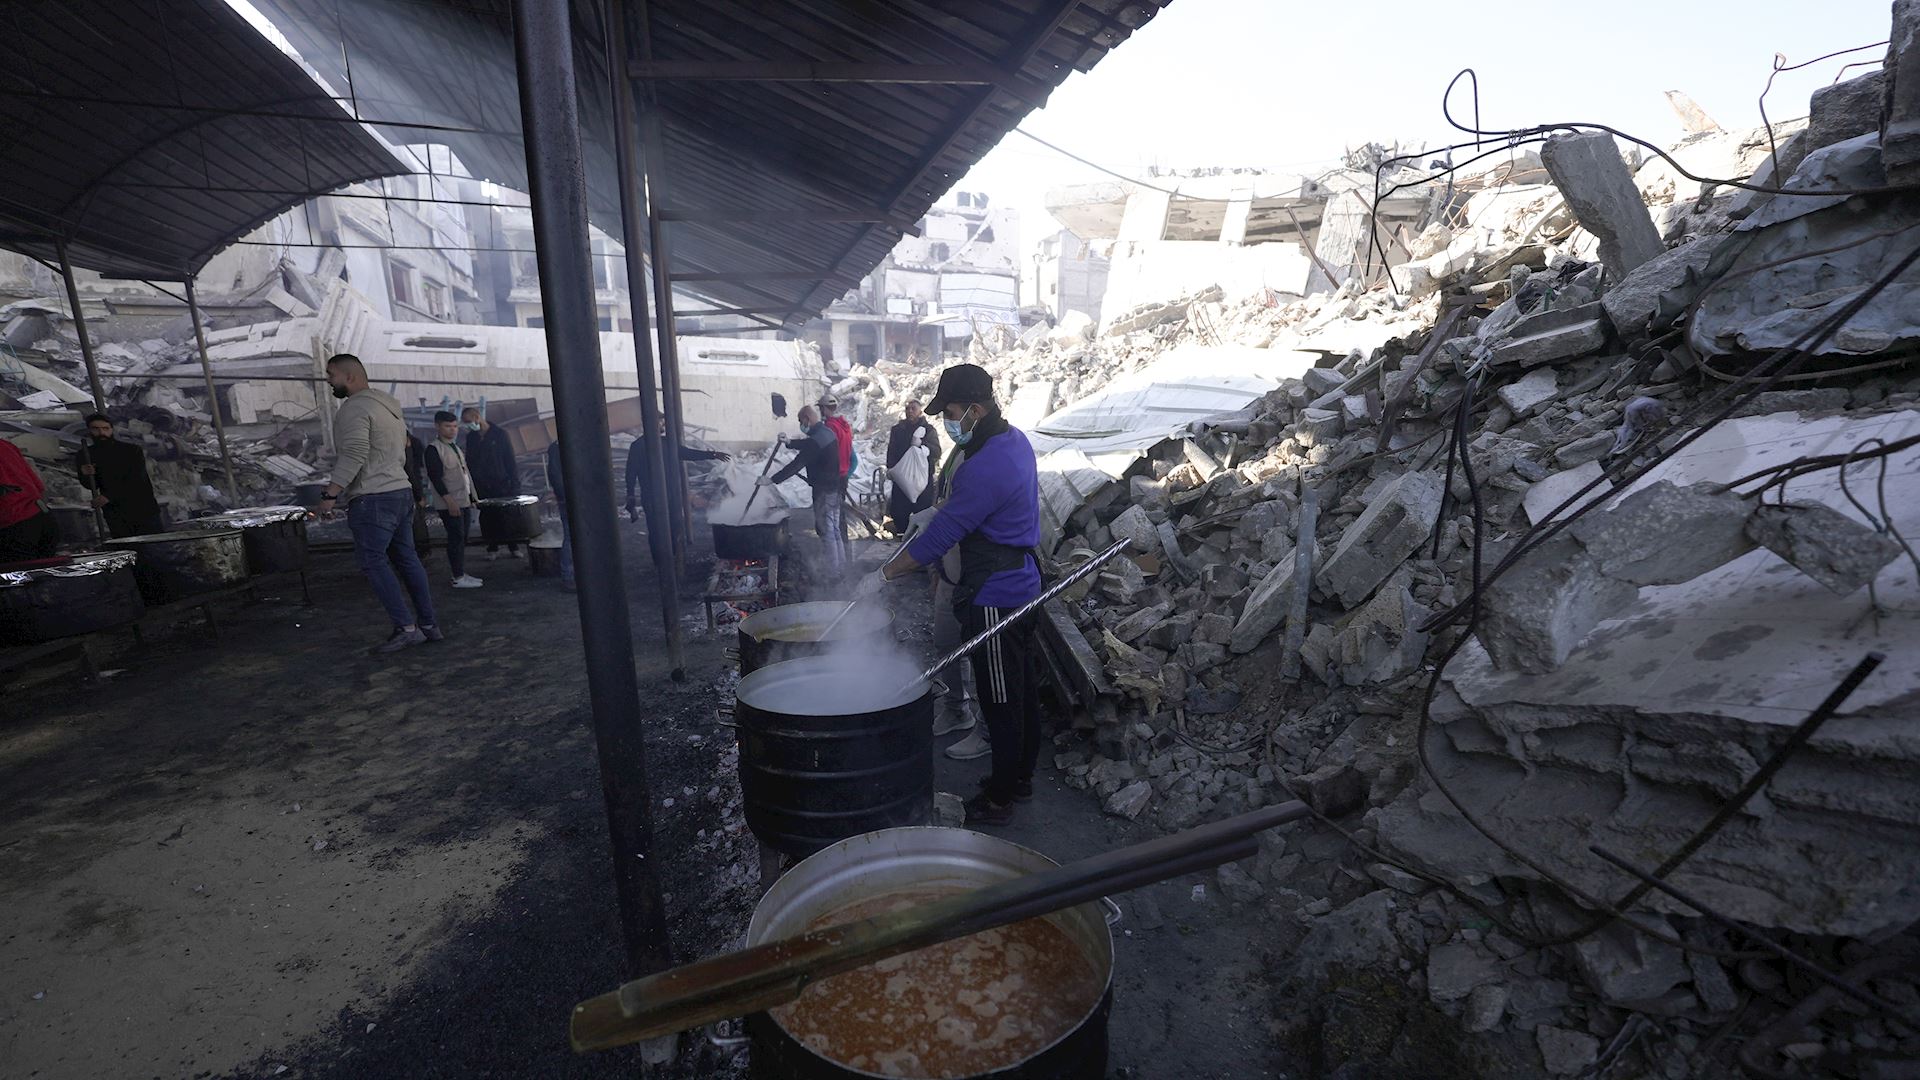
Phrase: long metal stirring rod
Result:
[1019,613]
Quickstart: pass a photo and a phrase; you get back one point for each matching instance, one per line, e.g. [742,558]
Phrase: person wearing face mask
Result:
[819,454]
[991,517]
[116,473]
[370,476]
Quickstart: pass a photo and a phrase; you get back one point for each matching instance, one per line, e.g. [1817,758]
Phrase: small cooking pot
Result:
[176,565]
[830,749]
[749,541]
[54,598]
[543,556]
[908,860]
[514,519]
[794,630]
[310,494]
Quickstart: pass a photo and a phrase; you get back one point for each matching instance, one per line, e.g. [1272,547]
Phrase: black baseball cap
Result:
[966,383]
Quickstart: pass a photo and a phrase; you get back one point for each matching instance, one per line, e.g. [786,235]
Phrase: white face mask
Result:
[956,429]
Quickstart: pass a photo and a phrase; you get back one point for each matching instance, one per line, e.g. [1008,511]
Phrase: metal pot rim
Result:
[795,880]
[81,565]
[509,500]
[755,692]
[168,537]
[248,517]
[851,628]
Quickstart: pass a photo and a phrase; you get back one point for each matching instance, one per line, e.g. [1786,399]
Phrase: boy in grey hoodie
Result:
[370,475]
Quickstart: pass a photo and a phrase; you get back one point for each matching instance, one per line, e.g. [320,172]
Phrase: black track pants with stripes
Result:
[1003,675]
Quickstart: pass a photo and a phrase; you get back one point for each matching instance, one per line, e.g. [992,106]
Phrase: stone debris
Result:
[1825,544]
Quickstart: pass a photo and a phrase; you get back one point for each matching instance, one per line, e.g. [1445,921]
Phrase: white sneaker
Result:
[975,745]
[467,581]
[950,719]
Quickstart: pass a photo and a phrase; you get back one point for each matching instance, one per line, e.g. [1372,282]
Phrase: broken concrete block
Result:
[1711,984]
[1333,790]
[1275,546]
[1220,580]
[1321,380]
[1900,124]
[1139,531]
[1172,631]
[1398,880]
[1625,966]
[1534,615]
[1266,608]
[1552,336]
[1664,534]
[1844,110]
[1379,642]
[1131,800]
[1823,543]
[1580,451]
[1394,523]
[1599,190]
[1659,289]
[1566,1053]
[1238,885]
[1199,656]
[1453,971]
[1353,411]
[1217,629]
[1318,427]
[1535,389]
[1134,626]
[1486,1006]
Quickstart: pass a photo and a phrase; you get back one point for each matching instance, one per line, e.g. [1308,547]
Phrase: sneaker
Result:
[400,640]
[949,720]
[467,581]
[1022,789]
[432,633]
[973,746]
[982,810]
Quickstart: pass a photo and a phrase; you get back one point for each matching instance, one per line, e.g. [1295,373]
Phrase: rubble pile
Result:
[42,408]
[1272,634]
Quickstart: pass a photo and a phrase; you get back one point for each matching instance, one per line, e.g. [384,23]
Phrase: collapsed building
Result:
[1561,541]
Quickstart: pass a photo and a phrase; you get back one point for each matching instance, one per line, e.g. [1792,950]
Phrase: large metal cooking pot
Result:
[514,519]
[897,860]
[830,749]
[176,565]
[275,537]
[791,631]
[749,541]
[76,525]
[61,597]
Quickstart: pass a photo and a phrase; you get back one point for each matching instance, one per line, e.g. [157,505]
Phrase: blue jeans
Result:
[566,546]
[382,526]
[459,526]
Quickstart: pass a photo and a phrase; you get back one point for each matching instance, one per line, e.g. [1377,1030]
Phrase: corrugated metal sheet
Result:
[151,135]
[739,145]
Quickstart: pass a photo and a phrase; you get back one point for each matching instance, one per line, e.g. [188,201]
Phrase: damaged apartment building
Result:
[1556,545]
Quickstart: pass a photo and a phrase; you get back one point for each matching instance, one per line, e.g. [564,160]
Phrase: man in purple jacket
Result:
[992,518]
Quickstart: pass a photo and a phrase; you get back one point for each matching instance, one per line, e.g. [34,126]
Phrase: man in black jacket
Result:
[818,452]
[496,475]
[116,473]
[899,440]
[637,467]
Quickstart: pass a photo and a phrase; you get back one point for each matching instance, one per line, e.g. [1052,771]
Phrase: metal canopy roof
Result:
[148,136]
[784,193]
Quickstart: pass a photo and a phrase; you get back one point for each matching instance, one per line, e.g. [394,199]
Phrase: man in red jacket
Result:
[26,530]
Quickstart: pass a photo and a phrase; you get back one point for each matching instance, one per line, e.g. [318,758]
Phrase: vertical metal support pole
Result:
[556,183]
[213,398]
[80,328]
[678,506]
[1307,521]
[633,220]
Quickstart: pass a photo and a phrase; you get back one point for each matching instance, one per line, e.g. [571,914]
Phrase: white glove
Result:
[870,586]
[763,480]
[918,522]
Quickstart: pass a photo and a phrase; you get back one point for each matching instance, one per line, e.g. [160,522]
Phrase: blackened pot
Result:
[275,537]
[897,860]
[790,631]
[177,565]
[828,752]
[511,520]
[749,541]
[47,599]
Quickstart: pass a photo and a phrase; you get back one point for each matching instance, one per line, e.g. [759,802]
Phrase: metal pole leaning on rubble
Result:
[213,399]
[633,216]
[1019,613]
[80,329]
[556,182]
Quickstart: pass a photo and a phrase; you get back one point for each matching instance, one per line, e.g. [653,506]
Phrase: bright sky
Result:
[1280,84]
